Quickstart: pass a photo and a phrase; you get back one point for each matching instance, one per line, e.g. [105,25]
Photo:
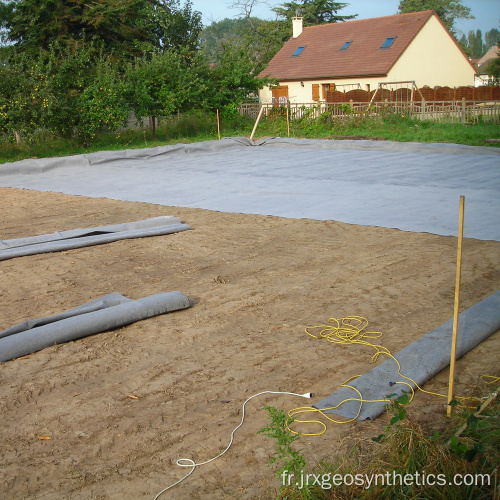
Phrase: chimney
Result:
[297,26]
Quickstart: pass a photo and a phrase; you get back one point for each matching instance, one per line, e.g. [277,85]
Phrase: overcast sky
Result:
[486,12]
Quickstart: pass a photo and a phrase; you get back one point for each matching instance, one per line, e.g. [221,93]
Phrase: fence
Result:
[446,111]
[472,94]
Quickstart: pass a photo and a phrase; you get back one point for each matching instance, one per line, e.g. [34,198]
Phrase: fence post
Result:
[463,110]
[423,109]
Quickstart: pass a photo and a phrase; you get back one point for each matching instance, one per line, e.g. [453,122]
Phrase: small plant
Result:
[292,461]
[397,407]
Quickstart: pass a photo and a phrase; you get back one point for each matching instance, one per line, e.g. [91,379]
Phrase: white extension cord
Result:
[187,462]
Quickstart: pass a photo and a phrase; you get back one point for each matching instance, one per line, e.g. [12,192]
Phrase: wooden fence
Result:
[445,111]
[472,94]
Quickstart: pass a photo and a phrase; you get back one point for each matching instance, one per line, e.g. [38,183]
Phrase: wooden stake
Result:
[218,124]
[288,120]
[456,306]
[257,122]
[493,395]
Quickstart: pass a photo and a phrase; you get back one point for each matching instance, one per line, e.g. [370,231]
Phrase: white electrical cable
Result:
[187,462]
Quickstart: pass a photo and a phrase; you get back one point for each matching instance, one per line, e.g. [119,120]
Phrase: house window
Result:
[388,42]
[298,51]
[346,45]
[326,87]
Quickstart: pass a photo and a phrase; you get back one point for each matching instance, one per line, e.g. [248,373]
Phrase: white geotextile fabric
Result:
[409,186]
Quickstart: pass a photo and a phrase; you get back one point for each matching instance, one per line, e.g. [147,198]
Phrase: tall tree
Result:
[232,79]
[220,32]
[474,45]
[160,83]
[262,38]
[448,10]
[475,39]
[126,27]
[491,38]
[313,11]
[175,26]
[118,24]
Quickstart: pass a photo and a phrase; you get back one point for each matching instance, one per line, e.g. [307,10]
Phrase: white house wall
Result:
[433,59]
[448,68]
[299,94]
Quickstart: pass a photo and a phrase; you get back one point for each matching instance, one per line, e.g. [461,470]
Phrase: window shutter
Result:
[315,91]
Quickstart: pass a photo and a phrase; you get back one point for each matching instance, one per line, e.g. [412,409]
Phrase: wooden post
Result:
[257,122]
[456,306]
[463,110]
[288,119]
[478,412]
[218,124]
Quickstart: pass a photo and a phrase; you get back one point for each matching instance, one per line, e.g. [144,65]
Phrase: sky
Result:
[486,12]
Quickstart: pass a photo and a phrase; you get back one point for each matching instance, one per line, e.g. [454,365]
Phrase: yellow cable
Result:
[494,380]
[348,331]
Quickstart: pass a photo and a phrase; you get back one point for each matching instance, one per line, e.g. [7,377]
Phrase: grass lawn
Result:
[196,128]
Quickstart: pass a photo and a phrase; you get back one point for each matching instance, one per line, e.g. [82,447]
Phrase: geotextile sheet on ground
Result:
[409,186]
[108,415]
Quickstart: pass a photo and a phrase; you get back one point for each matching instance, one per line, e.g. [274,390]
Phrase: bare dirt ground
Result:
[255,282]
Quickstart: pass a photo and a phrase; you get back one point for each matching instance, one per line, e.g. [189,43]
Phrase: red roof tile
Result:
[322,57]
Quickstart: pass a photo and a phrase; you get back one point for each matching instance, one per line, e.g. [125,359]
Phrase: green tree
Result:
[232,79]
[60,91]
[261,39]
[20,103]
[493,70]
[475,44]
[102,105]
[265,39]
[161,83]
[126,27]
[175,26]
[448,10]
[118,24]
[218,33]
[313,11]
[491,38]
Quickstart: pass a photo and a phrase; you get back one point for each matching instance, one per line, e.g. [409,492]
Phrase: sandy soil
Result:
[255,283]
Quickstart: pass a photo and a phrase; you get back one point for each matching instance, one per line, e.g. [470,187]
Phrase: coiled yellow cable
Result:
[347,331]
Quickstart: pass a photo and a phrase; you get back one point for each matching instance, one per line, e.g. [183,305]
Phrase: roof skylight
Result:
[346,45]
[298,51]
[388,42]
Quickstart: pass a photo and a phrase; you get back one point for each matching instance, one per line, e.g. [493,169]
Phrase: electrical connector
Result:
[307,395]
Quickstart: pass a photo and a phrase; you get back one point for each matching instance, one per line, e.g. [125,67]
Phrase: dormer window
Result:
[298,51]
[388,42]
[346,45]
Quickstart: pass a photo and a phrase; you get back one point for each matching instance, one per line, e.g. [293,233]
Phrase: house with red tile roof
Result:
[414,47]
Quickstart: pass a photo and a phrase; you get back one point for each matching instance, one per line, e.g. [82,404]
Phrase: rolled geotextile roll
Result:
[419,361]
[79,238]
[82,325]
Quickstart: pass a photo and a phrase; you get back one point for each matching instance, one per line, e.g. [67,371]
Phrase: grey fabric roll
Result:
[419,361]
[107,313]
[77,238]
